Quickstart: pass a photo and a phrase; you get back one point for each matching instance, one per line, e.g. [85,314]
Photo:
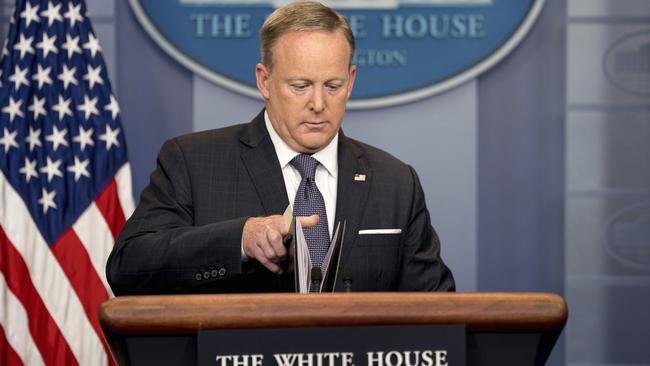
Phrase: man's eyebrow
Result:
[305,80]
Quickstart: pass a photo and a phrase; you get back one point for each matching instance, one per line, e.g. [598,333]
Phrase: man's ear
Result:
[353,75]
[262,79]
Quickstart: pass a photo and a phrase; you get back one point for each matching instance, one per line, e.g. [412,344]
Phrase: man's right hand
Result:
[262,239]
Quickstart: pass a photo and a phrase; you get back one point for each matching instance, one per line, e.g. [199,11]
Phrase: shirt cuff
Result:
[244,257]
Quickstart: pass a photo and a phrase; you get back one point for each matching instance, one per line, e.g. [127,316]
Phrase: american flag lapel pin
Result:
[358,177]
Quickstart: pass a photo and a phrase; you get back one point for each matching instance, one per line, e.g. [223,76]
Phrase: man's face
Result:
[306,92]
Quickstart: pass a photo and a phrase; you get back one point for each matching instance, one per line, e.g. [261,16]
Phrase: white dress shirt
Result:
[326,171]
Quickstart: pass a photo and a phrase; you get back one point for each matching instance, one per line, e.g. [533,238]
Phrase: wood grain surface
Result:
[480,312]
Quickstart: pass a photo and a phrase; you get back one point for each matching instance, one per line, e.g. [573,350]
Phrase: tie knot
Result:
[306,165]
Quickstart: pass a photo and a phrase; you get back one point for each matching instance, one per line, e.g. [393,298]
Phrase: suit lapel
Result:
[263,167]
[352,193]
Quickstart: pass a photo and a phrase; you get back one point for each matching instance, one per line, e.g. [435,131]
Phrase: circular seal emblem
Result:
[627,63]
[627,236]
[406,49]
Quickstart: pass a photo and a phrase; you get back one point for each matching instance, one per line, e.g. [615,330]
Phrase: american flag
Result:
[65,187]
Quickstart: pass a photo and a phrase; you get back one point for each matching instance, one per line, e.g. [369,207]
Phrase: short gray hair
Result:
[304,16]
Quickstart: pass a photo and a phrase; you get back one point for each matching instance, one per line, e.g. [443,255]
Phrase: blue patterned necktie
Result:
[309,201]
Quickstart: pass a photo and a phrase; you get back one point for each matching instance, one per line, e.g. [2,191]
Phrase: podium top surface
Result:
[480,312]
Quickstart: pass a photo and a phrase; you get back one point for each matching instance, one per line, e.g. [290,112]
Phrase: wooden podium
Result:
[501,328]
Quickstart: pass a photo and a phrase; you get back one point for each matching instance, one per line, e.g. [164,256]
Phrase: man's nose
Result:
[317,102]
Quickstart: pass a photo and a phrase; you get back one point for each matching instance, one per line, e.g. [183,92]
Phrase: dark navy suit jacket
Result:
[185,235]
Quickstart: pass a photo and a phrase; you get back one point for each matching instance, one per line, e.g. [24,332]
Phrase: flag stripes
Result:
[46,335]
[50,281]
[77,266]
[112,213]
[94,233]
[124,191]
[85,275]
[10,357]
[16,341]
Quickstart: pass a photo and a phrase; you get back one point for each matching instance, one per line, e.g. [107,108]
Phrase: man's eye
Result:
[333,87]
[300,87]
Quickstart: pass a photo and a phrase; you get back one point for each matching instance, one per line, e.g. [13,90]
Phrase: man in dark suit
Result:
[211,218]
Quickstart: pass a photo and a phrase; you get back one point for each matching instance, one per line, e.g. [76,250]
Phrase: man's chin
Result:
[312,146]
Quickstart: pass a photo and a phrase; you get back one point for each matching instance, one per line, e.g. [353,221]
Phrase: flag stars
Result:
[54,60]
[73,14]
[84,138]
[80,168]
[113,107]
[37,107]
[19,77]
[24,45]
[34,138]
[52,169]
[57,138]
[13,109]
[30,14]
[8,140]
[63,108]
[42,76]
[93,77]
[92,45]
[29,169]
[89,107]
[71,45]
[110,137]
[67,76]
[47,44]
[52,13]
[47,200]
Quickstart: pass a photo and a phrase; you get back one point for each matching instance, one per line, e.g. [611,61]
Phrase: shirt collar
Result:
[327,157]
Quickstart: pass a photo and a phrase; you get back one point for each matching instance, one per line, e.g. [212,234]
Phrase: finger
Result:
[268,251]
[309,221]
[256,242]
[280,224]
[277,244]
[260,256]
[272,267]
